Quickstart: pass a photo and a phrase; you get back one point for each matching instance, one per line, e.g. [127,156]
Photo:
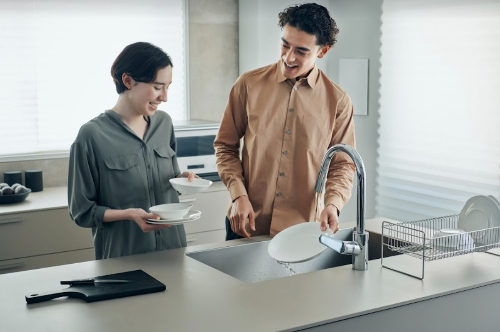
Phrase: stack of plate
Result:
[479,214]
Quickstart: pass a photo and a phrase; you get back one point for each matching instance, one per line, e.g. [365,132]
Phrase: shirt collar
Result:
[311,78]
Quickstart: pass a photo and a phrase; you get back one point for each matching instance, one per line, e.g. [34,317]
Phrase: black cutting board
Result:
[142,283]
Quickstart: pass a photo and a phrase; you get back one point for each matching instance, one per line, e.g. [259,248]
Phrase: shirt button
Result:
[295,88]
[278,194]
[150,188]
[288,131]
[282,174]
[285,152]
[291,110]
[149,166]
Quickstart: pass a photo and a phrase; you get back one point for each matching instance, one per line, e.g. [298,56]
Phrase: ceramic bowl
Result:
[171,210]
[184,186]
[14,198]
[452,239]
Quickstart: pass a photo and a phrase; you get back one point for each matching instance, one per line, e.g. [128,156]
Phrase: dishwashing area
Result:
[252,263]
[301,248]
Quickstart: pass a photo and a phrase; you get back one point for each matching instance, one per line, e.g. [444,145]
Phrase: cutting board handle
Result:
[40,297]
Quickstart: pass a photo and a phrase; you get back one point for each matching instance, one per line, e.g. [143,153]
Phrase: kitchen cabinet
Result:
[213,205]
[39,232]
[36,239]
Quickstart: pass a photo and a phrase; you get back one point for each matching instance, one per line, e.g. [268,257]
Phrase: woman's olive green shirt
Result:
[112,168]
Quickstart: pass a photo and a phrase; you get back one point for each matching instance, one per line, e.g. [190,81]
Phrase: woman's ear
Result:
[323,51]
[127,80]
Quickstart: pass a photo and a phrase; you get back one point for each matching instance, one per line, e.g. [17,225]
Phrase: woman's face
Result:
[146,97]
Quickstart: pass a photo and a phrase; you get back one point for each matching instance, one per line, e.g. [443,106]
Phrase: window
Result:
[55,60]
[439,140]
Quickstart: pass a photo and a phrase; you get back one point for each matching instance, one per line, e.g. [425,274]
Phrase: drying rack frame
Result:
[415,239]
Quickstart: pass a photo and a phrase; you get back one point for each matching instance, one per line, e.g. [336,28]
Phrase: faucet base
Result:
[360,261]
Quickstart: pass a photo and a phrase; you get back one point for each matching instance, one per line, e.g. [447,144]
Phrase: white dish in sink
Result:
[298,243]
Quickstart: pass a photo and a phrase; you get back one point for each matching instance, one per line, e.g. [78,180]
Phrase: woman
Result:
[121,161]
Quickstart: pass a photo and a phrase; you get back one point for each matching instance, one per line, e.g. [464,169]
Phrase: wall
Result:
[359,24]
[213,68]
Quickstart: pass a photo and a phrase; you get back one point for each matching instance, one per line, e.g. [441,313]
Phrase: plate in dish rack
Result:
[479,213]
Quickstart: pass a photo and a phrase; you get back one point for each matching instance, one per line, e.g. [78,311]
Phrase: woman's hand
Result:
[189,175]
[140,217]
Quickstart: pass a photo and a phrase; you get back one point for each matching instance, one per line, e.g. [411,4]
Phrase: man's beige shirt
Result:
[286,127]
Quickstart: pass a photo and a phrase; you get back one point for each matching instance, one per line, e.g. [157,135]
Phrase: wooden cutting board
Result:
[142,283]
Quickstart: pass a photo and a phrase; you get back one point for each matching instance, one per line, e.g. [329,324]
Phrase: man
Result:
[288,114]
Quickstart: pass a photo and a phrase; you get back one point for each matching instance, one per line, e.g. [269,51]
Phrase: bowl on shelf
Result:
[184,186]
[14,198]
[171,210]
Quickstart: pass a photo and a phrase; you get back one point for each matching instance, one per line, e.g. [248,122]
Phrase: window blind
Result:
[439,126]
[55,61]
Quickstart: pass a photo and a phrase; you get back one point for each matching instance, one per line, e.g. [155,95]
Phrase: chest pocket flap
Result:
[165,151]
[122,163]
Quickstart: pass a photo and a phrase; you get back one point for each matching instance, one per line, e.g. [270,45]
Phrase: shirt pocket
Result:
[125,180]
[165,164]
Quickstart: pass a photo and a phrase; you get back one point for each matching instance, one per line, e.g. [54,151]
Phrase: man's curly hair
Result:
[313,19]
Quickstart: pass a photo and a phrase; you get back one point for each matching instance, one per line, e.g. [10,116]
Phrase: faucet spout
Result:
[359,246]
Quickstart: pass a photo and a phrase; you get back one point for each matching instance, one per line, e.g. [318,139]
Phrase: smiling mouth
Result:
[154,106]
[288,66]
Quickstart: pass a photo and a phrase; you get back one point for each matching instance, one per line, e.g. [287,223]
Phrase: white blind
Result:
[55,61]
[439,133]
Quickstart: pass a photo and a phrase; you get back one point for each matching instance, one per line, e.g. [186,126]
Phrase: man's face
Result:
[299,52]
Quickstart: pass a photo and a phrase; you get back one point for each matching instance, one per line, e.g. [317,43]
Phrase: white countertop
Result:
[57,197]
[48,198]
[200,298]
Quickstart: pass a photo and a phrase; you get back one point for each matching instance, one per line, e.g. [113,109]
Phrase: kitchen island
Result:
[457,294]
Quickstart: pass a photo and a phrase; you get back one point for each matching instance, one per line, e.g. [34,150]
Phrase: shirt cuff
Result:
[236,190]
[99,215]
[335,201]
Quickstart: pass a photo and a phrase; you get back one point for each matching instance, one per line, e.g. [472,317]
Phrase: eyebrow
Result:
[300,48]
[160,83]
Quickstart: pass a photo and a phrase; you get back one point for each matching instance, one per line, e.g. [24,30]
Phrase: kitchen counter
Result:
[47,199]
[57,197]
[200,298]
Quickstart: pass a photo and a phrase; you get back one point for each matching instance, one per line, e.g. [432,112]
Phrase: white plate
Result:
[184,186]
[297,243]
[479,212]
[192,215]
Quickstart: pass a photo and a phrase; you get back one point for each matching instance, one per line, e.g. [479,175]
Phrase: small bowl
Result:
[14,198]
[452,239]
[171,210]
[184,186]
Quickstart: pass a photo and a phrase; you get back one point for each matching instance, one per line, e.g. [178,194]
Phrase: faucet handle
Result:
[332,243]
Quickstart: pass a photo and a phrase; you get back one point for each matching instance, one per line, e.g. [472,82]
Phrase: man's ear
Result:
[323,51]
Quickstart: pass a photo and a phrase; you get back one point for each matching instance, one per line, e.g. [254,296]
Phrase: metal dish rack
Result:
[415,238]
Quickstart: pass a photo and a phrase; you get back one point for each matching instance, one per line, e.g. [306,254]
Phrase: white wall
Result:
[359,24]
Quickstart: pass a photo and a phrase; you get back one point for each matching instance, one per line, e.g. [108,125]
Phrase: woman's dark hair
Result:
[313,19]
[141,61]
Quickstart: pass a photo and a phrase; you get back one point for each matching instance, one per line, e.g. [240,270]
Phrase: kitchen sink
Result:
[251,262]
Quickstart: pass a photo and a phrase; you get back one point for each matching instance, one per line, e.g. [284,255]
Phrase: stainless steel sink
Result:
[251,262]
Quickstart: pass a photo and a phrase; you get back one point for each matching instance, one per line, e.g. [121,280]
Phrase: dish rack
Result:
[415,238]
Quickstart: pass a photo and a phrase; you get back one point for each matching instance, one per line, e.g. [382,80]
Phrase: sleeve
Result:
[83,180]
[173,145]
[339,181]
[227,142]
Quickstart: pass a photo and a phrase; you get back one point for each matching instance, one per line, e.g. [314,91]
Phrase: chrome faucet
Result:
[358,248]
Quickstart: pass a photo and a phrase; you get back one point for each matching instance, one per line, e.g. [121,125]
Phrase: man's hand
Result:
[140,217]
[329,218]
[241,210]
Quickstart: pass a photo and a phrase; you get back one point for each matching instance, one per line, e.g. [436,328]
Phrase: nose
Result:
[288,56]
[163,96]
